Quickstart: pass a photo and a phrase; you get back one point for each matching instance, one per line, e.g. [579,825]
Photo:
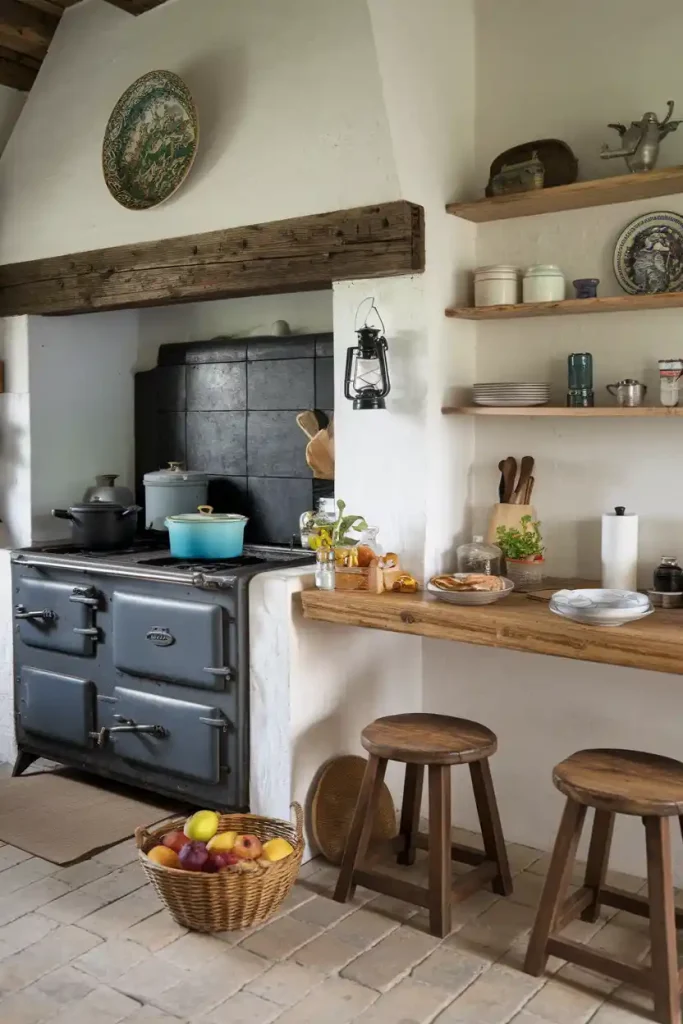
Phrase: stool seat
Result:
[428,739]
[623,781]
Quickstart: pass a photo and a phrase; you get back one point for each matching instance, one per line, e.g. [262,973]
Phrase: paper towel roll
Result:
[620,551]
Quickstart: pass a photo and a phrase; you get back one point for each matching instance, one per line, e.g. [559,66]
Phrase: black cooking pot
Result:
[101,525]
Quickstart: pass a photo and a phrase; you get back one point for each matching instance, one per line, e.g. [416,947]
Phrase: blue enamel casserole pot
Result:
[205,535]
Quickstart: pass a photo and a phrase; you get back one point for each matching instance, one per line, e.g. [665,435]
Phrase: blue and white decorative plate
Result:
[648,257]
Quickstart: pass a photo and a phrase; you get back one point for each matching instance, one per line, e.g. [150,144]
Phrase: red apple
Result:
[247,847]
[193,856]
[175,841]
[220,859]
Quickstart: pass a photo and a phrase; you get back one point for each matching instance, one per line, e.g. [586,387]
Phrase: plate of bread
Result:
[470,588]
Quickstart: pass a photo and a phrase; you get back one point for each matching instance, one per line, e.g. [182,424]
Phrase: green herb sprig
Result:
[524,543]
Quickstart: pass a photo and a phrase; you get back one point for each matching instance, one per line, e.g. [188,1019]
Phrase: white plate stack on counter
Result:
[511,394]
[600,607]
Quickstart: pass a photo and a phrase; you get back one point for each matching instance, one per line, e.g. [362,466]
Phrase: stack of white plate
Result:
[596,607]
[511,394]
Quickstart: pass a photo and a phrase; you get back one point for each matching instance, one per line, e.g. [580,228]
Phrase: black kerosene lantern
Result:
[366,379]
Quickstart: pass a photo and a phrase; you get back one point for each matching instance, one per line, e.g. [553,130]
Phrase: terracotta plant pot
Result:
[525,571]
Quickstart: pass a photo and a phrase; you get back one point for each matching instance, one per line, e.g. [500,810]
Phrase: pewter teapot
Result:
[628,393]
[640,142]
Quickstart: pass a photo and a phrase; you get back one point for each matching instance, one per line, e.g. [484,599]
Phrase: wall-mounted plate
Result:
[150,141]
[648,257]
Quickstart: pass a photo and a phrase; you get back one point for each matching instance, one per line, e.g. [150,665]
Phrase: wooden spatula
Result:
[308,421]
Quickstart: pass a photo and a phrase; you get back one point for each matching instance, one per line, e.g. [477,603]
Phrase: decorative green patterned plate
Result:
[150,141]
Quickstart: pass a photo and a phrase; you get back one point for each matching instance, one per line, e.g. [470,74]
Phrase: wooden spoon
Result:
[509,472]
[525,470]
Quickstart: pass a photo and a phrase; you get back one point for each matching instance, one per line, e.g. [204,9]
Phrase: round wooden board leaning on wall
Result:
[150,141]
[334,801]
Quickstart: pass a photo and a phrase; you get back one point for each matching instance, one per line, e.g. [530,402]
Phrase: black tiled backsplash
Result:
[229,407]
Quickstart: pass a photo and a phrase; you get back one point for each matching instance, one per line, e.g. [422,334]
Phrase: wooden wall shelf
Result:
[642,411]
[569,307]
[623,188]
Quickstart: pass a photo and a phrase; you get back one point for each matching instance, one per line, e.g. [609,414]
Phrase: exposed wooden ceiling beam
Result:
[137,6]
[17,70]
[24,29]
[301,254]
[56,7]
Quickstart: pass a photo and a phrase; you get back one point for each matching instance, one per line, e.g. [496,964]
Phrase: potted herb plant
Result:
[523,550]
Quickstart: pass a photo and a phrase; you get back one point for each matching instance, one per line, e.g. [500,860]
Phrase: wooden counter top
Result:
[516,623]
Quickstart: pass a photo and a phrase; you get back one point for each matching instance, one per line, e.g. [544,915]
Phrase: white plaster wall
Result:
[290,108]
[313,689]
[564,71]
[305,312]
[82,423]
[552,70]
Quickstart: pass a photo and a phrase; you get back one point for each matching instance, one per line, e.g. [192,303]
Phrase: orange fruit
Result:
[164,855]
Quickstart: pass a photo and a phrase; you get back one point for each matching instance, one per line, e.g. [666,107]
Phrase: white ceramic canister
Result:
[496,286]
[543,283]
[172,492]
[670,374]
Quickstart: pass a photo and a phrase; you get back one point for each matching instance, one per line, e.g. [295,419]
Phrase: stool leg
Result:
[439,850]
[556,884]
[410,812]
[361,826]
[598,857]
[489,822]
[664,957]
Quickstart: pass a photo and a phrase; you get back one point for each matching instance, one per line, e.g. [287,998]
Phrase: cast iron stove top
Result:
[150,559]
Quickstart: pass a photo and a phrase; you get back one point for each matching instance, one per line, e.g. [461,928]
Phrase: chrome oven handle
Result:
[47,614]
[92,631]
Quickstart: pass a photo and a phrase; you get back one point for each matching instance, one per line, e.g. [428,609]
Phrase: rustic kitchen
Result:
[340,446]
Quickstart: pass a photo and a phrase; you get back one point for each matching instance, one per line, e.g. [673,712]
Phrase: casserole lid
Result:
[99,506]
[175,476]
[205,514]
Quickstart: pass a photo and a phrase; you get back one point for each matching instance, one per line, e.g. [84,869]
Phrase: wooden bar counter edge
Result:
[516,623]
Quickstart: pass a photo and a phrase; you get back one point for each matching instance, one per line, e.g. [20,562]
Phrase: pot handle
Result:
[131,510]
[612,388]
[62,513]
[206,510]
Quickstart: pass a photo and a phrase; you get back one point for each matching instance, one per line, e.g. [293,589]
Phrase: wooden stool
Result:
[438,742]
[614,782]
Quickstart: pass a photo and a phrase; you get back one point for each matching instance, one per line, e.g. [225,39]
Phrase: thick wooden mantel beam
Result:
[302,254]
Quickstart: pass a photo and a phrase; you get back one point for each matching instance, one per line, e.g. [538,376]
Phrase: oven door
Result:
[58,706]
[172,640]
[57,616]
[188,740]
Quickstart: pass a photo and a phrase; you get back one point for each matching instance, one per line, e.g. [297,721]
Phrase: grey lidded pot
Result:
[172,492]
[105,489]
[101,525]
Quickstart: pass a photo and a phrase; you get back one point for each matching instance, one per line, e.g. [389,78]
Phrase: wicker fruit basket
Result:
[225,901]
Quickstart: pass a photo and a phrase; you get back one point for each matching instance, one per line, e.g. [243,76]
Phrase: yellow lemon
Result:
[222,841]
[277,849]
[202,826]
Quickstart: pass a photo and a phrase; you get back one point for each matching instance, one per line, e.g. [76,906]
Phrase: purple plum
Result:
[194,856]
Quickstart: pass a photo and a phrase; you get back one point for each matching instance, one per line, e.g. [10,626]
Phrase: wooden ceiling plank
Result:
[24,29]
[16,75]
[301,254]
[137,6]
[46,6]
